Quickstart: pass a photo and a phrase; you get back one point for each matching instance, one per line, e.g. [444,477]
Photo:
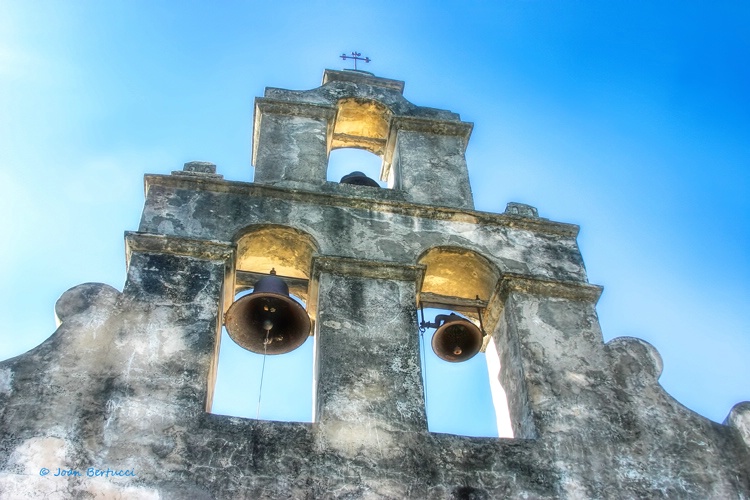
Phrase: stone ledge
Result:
[429,299]
[197,174]
[367,268]
[265,105]
[189,247]
[541,225]
[573,290]
[332,75]
[431,126]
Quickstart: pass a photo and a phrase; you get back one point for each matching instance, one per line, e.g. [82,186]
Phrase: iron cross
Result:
[356,57]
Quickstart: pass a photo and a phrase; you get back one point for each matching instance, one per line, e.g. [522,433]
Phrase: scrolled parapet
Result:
[739,418]
[82,297]
[635,362]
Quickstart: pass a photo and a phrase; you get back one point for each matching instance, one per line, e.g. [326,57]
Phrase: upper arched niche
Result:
[458,273]
[287,250]
[361,123]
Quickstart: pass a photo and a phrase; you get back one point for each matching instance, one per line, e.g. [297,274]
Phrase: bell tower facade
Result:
[127,379]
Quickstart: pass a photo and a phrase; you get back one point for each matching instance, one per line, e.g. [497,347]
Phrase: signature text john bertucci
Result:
[90,472]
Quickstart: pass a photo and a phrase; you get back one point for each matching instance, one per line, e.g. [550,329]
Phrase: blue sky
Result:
[630,119]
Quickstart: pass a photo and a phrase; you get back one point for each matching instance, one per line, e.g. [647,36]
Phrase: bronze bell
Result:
[358,178]
[268,320]
[457,340]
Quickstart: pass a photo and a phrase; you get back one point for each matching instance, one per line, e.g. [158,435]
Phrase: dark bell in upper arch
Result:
[358,178]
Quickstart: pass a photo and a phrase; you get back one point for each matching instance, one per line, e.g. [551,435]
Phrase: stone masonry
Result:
[126,380]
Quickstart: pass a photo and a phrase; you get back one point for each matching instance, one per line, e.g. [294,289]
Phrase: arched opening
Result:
[344,161]
[252,385]
[458,395]
[463,397]
[358,143]
[257,384]
[361,123]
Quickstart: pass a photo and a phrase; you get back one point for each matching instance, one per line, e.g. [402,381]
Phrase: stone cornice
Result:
[432,126]
[539,225]
[266,105]
[332,75]
[346,266]
[175,245]
[573,290]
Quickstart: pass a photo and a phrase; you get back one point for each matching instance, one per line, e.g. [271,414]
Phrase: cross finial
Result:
[357,57]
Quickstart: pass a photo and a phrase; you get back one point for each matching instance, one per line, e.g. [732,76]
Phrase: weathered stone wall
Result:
[292,144]
[125,381]
[359,227]
[122,384]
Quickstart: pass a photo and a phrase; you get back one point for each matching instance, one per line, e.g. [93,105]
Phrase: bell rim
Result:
[476,332]
[368,181]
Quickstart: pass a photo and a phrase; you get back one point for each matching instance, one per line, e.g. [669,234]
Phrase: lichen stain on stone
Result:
[101,490]
[354,440]
[577,381]
[6,381]
[141,415]
[407,411]
[34,453]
